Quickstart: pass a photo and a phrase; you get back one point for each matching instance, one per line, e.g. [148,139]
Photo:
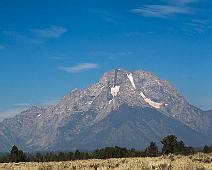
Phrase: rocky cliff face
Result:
[124,108]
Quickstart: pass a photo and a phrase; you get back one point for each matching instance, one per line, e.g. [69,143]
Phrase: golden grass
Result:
[198,161]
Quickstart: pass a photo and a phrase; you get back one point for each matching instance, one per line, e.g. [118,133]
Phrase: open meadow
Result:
[198,161]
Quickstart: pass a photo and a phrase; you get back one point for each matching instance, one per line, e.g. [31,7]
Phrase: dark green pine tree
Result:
[14,153]
[169,143]
[17,155]
[180,148]
[152,150]
[206,149]
[77,155]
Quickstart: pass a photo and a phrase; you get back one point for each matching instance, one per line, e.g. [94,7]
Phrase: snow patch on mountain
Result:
[130,77]
[158,82]
[115,90]
[150,102]
[89,102]
[110,101]
[102,87]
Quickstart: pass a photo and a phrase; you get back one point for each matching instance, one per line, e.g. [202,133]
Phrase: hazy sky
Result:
[48,47]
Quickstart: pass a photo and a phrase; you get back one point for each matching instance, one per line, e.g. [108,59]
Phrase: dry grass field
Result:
[198,161]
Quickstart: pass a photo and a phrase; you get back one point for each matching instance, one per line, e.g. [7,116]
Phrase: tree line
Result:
[170,145]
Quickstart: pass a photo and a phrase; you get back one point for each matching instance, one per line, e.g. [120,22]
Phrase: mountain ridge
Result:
[85,114]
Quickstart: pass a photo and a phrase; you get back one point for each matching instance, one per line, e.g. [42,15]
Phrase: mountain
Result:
[123,108]
[209,114]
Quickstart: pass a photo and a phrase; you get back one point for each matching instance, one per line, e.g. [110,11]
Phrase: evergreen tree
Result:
[14,154]
[152,150]
[169,143]
[39,157]
[21,156]
[179,148]
[17,155]
[206,149]
[77,155]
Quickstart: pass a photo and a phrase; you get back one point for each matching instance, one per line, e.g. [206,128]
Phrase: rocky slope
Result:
[124,108]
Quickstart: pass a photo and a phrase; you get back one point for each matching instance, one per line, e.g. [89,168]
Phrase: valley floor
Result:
[198,161]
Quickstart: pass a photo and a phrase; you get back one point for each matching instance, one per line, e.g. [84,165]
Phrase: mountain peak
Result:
[117,109]
[112,75]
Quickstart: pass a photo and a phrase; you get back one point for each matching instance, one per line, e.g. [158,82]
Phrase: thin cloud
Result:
[16,109]
[162,11]
[107,16]
[181,2]
[22,105]
[167,8]
[50,102]
[80,67]
[196,26]
[22,38]
[51,32]
[36,36]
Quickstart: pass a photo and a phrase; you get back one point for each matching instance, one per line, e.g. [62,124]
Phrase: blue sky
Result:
[49,47]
